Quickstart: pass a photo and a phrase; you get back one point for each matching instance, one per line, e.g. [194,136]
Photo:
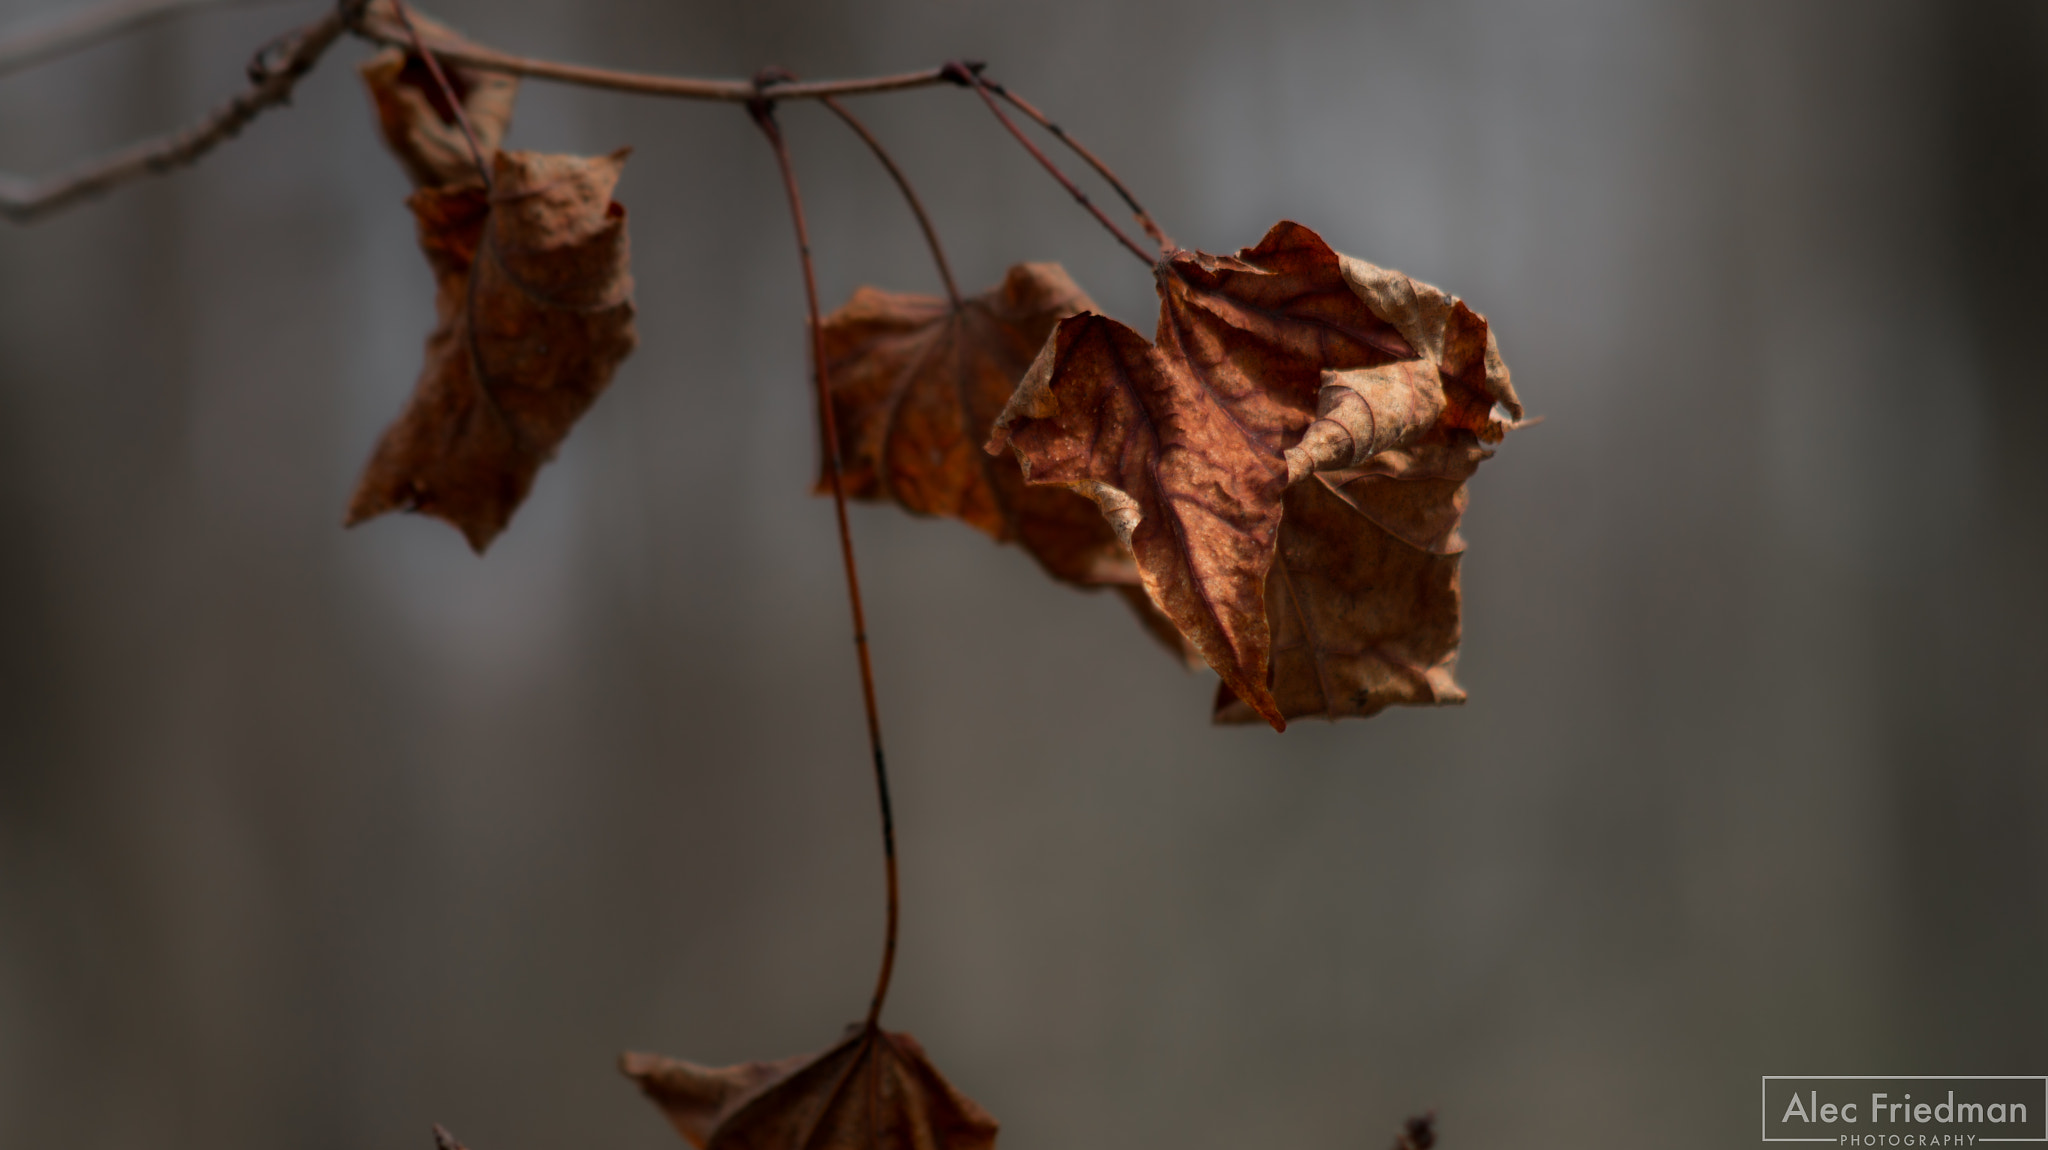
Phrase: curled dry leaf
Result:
[535,306]
[1283,364]
[874,1090]
[417,121]
[916,386]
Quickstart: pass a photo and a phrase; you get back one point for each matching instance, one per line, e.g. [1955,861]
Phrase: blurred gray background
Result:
[311,837]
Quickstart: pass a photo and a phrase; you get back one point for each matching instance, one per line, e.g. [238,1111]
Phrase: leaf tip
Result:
[1232,709]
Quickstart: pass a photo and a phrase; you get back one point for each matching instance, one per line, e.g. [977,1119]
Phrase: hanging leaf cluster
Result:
[1272,482]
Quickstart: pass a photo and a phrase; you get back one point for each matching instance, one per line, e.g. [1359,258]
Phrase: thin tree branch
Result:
[273,74]
[763,110]
[278,68]
[969,76]
[931,235]
[1101,169]
[484,59]
[47,39]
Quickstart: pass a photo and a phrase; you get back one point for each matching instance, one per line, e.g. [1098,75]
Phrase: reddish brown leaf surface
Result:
[875,1090]
[535,305]
[1359,618]
[1268,367]
[415,118]
[916,387]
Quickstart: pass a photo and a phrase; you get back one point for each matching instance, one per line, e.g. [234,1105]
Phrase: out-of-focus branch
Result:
[46,39]
[272,75]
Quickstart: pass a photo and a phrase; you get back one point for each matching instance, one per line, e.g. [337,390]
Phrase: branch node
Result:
[762,106]
[965,73]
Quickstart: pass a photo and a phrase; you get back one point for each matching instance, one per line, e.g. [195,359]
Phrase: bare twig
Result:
[1101,169]
[682,87]
[969,76]
[931,235]
[763,109]
[278,68]
[47,39]
[273,74]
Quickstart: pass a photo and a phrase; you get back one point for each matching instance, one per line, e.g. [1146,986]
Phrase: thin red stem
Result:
[966,75]
[1101,169]
[763,111]
[931,236]
[419,47]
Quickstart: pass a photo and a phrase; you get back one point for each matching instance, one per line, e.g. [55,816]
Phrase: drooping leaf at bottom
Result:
[874,1090]
[535,306]
[916,385]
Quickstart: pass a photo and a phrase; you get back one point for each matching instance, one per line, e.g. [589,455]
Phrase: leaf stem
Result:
[762,108]
[448,93]
[924,222]
[969,76]
[1101,169]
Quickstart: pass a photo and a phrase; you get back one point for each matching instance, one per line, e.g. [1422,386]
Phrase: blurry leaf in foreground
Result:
[874,1090]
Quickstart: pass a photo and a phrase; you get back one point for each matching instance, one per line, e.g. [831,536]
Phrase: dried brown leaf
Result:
[874,1090]
[535,305]
[415,117]
[1285,360]
[917,384]
[1360,618]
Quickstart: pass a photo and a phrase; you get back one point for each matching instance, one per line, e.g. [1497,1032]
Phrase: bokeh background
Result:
[311,837]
